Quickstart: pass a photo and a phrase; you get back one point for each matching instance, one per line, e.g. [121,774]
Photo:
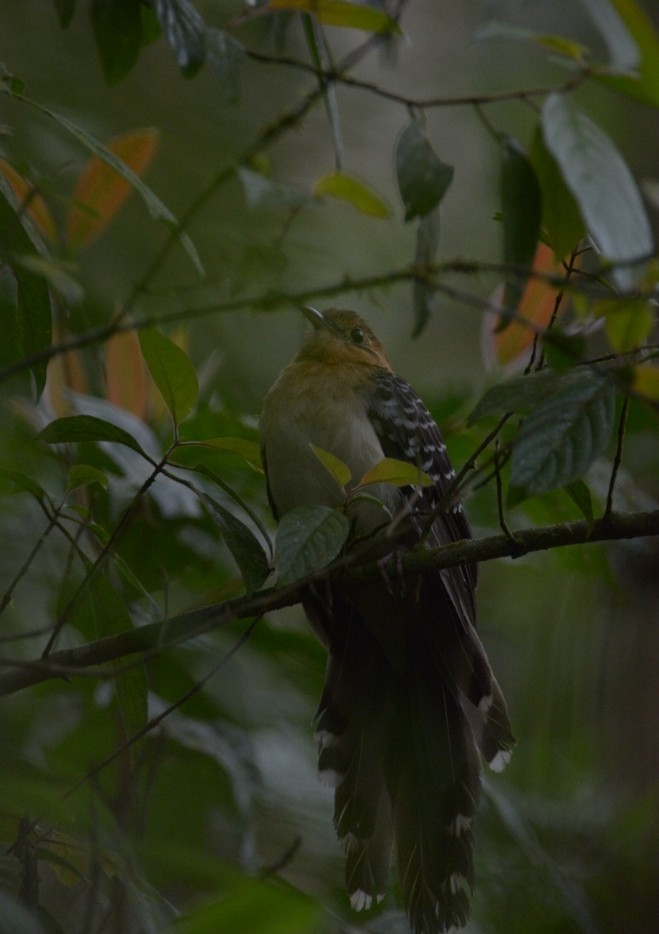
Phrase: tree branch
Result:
[156,637]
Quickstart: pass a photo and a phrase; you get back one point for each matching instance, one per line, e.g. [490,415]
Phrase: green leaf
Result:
[423,178]
[21,483]
[33,323]
[397,472]
[628,322]
[644,85]
[172,371]
[564,434]
[250,451]
[242,543]
[117,27]
[560,44]
[514,395]
[75,428]
[349,188]
[339,470]
[340,13]
[623,51]
[580,496]
[185,31]
[521,209]
[561,218]
[308,538]
[227,56]
[84,475]
[154,205]
[602,186]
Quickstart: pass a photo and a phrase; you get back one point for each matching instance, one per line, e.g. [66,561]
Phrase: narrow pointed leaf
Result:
[75,428]
[308,538]
[563,435]
[340,13]
[561,218]
[30,201]
[521,210]
[101,190]
[397,472]
[349,188]
[644,85]
[243,545]
[339,470]
[602,185]
[425,253]
[172,371]
[580,496]
[227,56]
[185,31]
[423,178]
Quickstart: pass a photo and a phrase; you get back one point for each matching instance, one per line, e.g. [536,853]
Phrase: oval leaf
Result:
[101,190]
[340,13]
[521,210]
[172,371]
[339,470]
[84,475]
[75,428]
[515,395]
[422,176]
[397,472]
[308,538]
[243,545]
[561,220]
[564,434]
[117,26]
[349,188]
[602,186]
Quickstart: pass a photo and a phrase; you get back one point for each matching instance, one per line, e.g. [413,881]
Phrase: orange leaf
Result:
[126,381]
[35,207]
[511,346]
[100,190]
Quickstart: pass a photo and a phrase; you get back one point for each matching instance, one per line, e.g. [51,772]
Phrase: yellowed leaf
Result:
[35,206]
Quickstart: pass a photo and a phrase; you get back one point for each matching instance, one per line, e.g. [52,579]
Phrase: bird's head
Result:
[340,337]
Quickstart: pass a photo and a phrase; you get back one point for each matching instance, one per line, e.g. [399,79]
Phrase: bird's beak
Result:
[319,321]
[316,317]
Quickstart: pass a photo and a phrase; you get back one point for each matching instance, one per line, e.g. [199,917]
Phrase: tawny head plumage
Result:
[341,336]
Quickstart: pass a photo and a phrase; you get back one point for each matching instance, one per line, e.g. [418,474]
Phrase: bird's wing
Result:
[407,431]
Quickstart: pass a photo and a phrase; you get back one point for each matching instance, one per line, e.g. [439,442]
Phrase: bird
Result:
[410,705]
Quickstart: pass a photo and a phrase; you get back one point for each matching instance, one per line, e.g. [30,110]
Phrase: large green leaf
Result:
[308,538]
[74,428]
[602,186]
[172,371]
[423,178]
[564,434]
[117,27]
[515,395]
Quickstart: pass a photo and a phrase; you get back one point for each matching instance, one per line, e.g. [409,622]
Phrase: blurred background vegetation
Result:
[215,821]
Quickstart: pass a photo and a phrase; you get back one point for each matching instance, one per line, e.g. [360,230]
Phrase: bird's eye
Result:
[357,336]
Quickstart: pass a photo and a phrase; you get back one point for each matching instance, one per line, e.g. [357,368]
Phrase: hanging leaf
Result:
[521,210]
[81,475]
[561,45]
[185,31]
[243,545]
[76,428]
[340,13]
[308,538]
[172,371]
[602,186]
[643,85]
[397,472]
[423,178]
[101,190]
[561,219]
[563,435]
[580,496]
[339,470]
[349,188]
[117,27]
[425,253]
[21,483]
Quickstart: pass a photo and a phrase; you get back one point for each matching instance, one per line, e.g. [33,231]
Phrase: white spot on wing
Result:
[360,900]
[501,760]
[485,703]
[459,825]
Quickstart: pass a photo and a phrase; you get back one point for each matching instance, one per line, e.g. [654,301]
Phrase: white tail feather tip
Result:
[459,825]
[330,777]
[501,760]
[360,900]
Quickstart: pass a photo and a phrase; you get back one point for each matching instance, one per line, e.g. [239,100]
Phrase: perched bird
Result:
[409,699]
